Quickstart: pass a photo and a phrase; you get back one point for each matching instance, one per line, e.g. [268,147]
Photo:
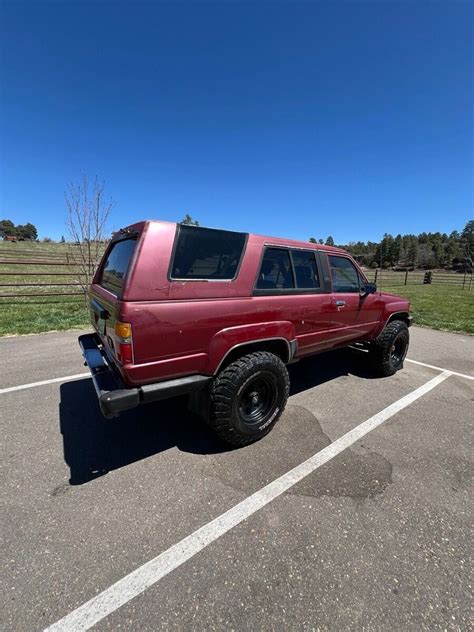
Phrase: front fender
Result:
[400,307]
[226,339]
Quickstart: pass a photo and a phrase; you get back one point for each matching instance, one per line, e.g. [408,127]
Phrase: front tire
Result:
[248,397]
[389,350]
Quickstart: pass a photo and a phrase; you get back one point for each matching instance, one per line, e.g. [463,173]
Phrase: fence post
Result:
[470,282]
[464,281]
[406,277]
[375,277]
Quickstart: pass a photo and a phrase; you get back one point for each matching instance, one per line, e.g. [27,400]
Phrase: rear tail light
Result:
[123,332]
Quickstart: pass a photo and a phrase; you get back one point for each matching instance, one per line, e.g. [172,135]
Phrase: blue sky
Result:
[343,118]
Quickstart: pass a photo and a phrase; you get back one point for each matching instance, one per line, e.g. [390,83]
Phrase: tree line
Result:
[21,232]
[426,250]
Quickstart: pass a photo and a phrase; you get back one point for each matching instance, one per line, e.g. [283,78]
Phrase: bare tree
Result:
[87,215]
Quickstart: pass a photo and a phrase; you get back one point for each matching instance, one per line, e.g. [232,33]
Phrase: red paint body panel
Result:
[183,328]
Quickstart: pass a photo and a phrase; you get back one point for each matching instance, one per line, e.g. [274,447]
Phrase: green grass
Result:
[440,307]
[20,246]
[41,313]
[32,316]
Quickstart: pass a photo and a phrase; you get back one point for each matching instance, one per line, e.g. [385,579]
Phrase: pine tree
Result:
[189,221]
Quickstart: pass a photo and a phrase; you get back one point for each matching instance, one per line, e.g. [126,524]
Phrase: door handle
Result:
[340,303]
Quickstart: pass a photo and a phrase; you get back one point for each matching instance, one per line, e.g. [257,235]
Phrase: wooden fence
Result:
[391,278]
[17,274]
[16,283]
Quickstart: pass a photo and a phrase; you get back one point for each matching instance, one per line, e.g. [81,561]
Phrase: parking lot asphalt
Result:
[377,538]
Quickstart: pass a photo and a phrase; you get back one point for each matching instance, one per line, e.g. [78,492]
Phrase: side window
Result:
[275,271]
[306,270]
[345,277]
[207,253]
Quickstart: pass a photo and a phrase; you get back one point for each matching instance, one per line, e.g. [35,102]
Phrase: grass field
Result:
[7,247]
[38,314]
[25,316]
[440,307]
[436,306]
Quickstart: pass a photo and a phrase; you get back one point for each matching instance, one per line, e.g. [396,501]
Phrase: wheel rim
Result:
[397,352]
[258,399]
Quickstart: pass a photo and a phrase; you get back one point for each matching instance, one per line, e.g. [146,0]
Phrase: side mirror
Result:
[368,288]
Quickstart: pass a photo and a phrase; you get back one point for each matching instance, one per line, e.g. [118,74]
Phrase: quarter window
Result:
[306,271]
[206,253]
[276,272]
[345,277]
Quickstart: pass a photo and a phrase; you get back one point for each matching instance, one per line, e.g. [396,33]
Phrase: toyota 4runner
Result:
[215,314]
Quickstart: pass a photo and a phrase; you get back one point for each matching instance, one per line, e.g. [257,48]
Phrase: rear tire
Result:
[389,350]
[248,397]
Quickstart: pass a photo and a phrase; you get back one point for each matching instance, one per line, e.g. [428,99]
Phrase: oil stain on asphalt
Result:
[356,473]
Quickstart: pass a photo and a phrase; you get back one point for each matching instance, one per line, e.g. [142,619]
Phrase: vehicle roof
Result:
[254,238]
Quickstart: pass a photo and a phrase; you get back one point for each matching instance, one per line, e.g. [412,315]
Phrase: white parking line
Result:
[136,582]
[438,368]
[66,378]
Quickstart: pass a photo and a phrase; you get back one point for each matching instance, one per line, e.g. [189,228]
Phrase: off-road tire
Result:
[232,398]
[389,350]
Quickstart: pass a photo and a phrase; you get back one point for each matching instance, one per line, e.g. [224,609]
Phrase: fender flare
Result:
[231,338]
[395,314]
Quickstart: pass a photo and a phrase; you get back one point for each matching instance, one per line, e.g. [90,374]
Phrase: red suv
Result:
[181,309]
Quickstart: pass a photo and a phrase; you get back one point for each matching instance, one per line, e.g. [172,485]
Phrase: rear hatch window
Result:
[114,269]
